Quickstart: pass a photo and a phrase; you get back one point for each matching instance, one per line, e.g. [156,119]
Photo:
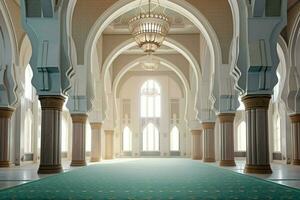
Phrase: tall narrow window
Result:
[28,87]
[64,135]
[127,139]
[88,139]
[150,100]
[28,133]
[277,139]
[150,138]
[241,137]
[174,137]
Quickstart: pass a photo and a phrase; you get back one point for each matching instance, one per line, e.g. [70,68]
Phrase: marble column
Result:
[227,139]
[50,157]
[197,151]
[5,115]
[208,141]
[257,159]
[109,144]
[295,119]
[96,142]
[78,139]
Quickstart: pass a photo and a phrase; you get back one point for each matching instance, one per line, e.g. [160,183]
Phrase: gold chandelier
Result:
[149,28]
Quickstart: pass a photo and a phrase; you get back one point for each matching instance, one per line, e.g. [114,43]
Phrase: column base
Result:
[197,158]
[50,169]
[95,160]
[209,160]
[4,164]
[296,162]
[258,169]
[78,163]
[227,163]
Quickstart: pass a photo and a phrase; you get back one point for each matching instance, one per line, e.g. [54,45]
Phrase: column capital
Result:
[52,102]
[109,131]
[256,101]
[226,117]
[6,112]
[196,132]
[295,117]
[208,125]
[79,118]
[96,125]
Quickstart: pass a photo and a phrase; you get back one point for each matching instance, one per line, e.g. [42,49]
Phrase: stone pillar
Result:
[78,139]
[109,144]
[96,142]
[197,151]
[5,115]
[51,134]
[295,119]
[208,141]
[227,139]
[257,160]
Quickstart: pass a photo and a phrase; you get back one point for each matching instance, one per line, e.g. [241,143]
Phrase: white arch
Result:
[11,32]
[10,54]
[294,37]
[163,62]
[182,7]
[168,42]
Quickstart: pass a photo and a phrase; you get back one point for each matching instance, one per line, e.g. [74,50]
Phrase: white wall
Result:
[131,90]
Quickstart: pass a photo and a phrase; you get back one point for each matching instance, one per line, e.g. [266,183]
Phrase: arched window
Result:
[88,139]
[150,99]
[150,138]
[276,89]
[64,135]
[127,139]
[28,86]
[174,139]
[277,138]
[241,136]
[28,133]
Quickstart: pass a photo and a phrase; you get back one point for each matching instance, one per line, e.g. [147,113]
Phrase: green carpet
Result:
[150,179]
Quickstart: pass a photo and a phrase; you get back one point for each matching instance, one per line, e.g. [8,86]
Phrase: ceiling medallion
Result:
[149,28]
[147,66]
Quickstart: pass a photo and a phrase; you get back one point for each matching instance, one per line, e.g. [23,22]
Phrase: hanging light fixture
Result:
[149,28]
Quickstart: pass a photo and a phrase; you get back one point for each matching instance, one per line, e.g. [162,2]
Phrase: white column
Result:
[78,139]
[109,144]
[295,119]
[5,115]
[96,142]
[257,160]
[227,141]
[51,134]
[197,145]
[208,141]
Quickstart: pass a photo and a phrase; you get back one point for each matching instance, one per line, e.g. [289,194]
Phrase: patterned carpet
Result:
[150,179]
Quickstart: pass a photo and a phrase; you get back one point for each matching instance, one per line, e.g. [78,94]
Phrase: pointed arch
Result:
[175,139]
[127,139]
[150,138]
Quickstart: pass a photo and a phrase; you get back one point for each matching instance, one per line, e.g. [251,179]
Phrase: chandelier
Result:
[149,28]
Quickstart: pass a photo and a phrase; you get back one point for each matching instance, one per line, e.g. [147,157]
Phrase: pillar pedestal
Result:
[257,160]
[78,141]
[109,144]
[227,144]
[295,118]
[197,151]
[96,142]
[208,141]
[51,134]
[5,115]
